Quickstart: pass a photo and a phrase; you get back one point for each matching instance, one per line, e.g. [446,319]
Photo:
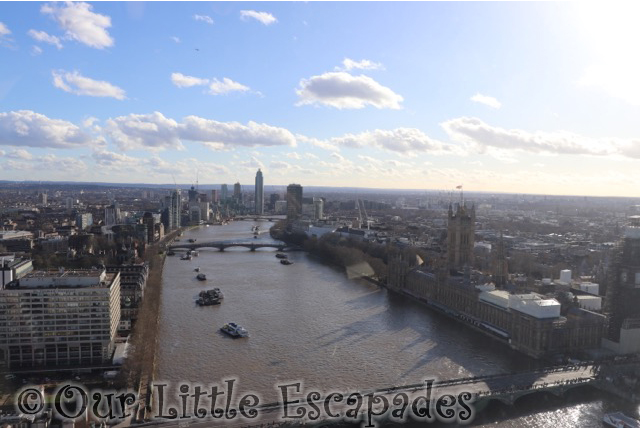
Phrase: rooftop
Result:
[67,279]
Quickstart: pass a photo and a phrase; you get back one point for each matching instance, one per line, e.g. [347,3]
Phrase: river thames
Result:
[308,322]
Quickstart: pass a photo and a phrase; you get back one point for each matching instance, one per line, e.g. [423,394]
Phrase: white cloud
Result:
[253,163]
[4,30]
[486,100]
[157,132]
[216,87]
[27,128]
[77,84]
[20,154]
[227,85]
[253,134]
[264,17]
[182,170]
[5,40]
[402,140]
[80,23]
[203,18]
[342,90]
[481,136]
[349,64]
[89,122]
[280,165]
[144,131]
[54,165]
[175,39]
[115,160]
[316,142]
[182,81]
[41,36]
[293,155]
[36,50]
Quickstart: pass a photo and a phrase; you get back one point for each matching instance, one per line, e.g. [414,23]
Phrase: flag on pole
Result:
[459,187]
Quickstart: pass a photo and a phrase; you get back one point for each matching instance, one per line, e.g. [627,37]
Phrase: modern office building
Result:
[318,208]
[16,240]
[111,215]
[193,195]
[59,318]
[84,220]
[224,193]
[12,268]
[172,211]
[237,192]
[294,201]
[280,207]
[259,193]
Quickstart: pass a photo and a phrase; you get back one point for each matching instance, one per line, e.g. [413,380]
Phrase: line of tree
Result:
[347,252]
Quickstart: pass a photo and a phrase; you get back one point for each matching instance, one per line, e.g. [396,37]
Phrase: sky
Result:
[523,97]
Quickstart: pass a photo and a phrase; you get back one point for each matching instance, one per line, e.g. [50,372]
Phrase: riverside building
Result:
[59,318]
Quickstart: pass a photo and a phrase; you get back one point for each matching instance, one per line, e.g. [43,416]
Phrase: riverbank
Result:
[139,368]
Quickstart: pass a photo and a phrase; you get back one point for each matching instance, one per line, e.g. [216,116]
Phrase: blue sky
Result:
[511,97]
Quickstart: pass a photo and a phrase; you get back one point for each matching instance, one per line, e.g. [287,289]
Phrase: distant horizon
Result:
[448,93]
[183,186]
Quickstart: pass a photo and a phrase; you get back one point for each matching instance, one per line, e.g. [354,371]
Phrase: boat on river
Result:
[207,301]
[213,293]
[281,256]
[620,420]
[201,276]
[286,262]
[234,330]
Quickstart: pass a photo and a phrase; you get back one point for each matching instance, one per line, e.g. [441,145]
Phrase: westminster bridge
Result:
[506,388]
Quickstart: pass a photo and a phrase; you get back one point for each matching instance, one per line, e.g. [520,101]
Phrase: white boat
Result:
[620,420]
[234,330]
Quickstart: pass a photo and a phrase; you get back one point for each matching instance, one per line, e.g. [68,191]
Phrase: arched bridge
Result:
[222,245]
[256,218]
[506,388]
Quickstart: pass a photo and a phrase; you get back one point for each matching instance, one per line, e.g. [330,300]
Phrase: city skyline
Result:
[500,97]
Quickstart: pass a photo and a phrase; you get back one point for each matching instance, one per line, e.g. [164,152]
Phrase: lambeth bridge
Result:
[259,217]
[222,245]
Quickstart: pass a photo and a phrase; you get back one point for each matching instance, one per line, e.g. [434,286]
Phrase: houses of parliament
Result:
[528,322]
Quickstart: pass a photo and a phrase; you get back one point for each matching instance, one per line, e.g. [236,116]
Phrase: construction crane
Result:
[362,209]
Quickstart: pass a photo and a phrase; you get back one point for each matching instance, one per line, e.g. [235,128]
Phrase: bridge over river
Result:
[506,388]
[222,245]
